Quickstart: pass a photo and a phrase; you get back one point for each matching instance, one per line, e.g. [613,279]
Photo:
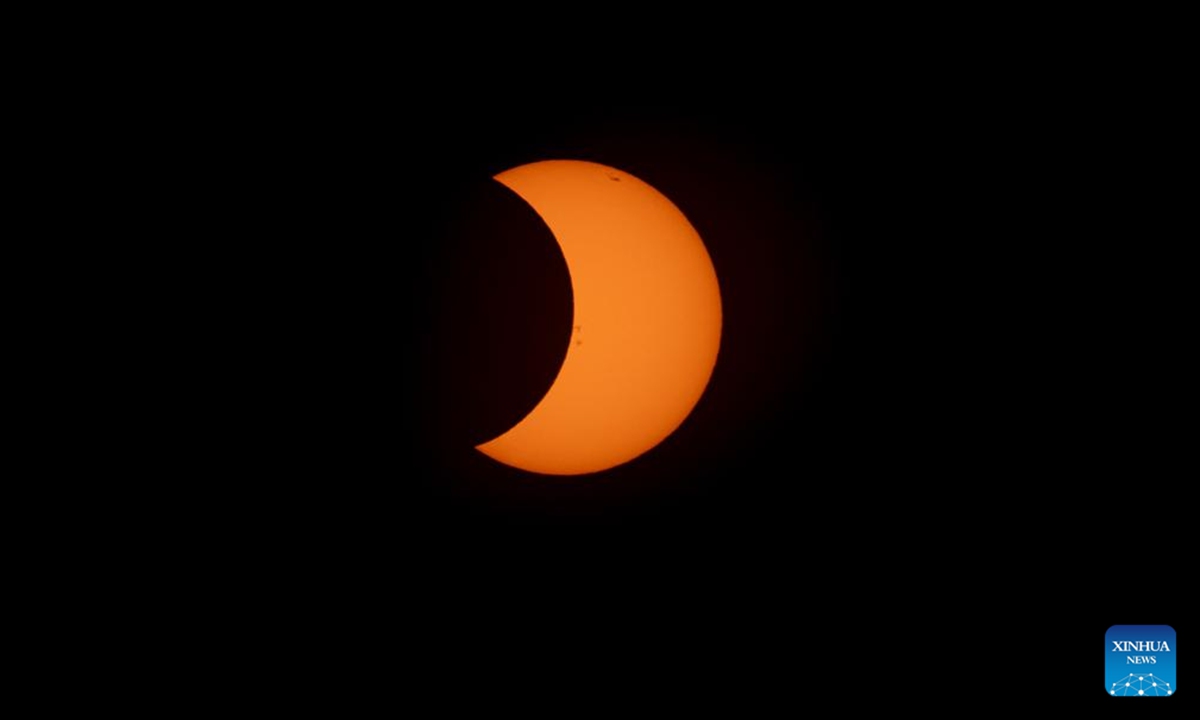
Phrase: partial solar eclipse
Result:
[646,328]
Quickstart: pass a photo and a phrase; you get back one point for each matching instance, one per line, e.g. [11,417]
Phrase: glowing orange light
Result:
[647,322]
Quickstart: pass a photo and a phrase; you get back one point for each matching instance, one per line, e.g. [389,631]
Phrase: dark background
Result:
[947,401]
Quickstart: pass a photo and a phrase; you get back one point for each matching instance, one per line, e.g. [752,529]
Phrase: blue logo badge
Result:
[1139,661]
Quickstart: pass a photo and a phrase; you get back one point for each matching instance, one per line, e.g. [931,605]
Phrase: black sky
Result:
[949,357]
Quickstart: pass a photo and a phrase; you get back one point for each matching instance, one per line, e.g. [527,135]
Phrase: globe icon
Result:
[1140,685]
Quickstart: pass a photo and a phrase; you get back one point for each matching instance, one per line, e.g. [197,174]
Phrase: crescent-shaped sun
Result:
[647,320]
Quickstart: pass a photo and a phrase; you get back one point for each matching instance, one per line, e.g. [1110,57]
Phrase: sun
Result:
[647,322]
